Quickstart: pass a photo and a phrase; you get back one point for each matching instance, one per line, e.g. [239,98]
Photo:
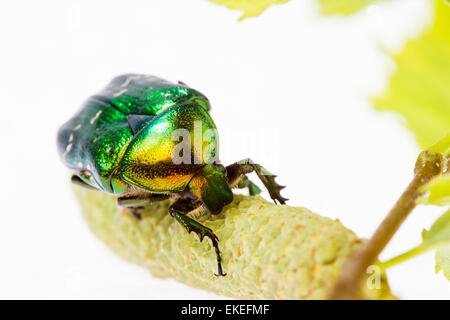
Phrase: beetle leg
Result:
[138,200]
[245,182]
[178,210]
[77,180]
[141,200]
[135,213]
[236,170]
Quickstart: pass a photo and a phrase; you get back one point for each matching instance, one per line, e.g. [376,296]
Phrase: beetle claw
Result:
[202,231]
[281,200]
[136,214]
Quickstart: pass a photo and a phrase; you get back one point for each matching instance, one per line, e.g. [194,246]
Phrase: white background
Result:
[289,89]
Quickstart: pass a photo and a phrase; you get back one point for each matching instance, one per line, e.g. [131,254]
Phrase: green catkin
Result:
[268,251]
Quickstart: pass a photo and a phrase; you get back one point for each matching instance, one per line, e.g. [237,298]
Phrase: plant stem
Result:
[353,273]
[410,254]
[403,257]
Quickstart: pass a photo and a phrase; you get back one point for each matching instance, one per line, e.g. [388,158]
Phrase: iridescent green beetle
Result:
[138,139]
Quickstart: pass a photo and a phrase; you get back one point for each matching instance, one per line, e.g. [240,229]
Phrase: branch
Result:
[268,251]
[348,286]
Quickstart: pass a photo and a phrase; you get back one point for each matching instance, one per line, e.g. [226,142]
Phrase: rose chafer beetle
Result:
[125,141]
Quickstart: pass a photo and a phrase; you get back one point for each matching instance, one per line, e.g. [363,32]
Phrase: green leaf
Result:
[344,7]
[443,261]
[250,8]
[437,191]
[419,88]
[437,237]
[442,146]
[253,8]
[439,233]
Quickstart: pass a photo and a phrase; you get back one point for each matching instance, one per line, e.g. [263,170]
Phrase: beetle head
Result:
[210,185]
